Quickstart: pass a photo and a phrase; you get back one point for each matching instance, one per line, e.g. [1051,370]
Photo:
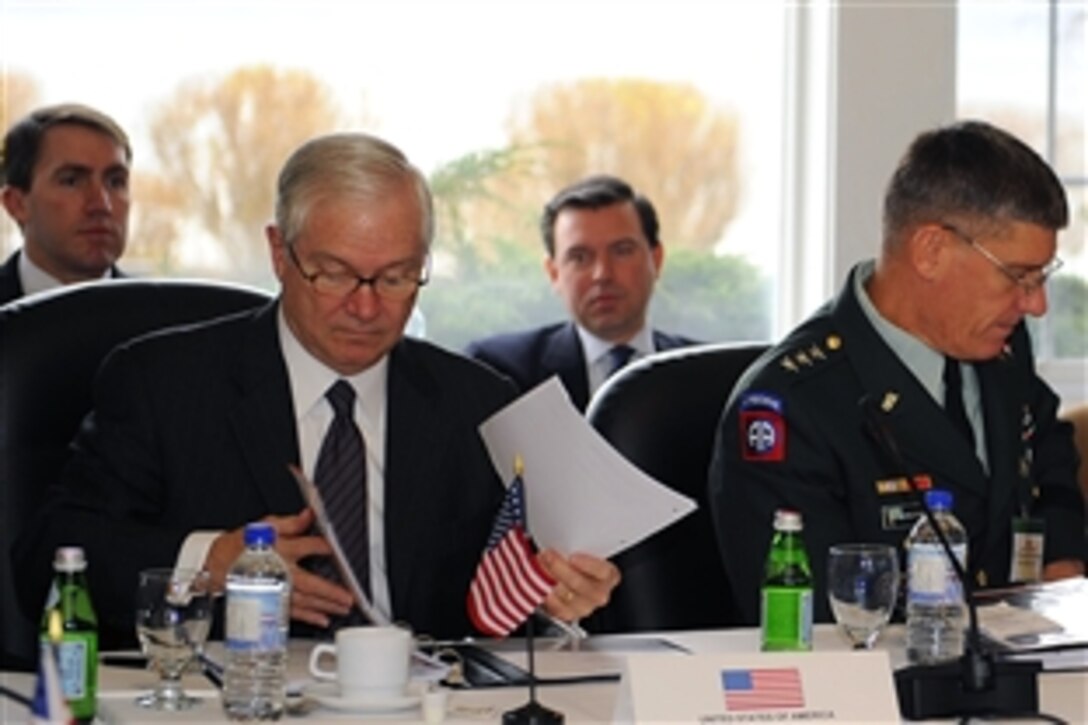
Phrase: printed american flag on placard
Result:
[509,583]
[762,689]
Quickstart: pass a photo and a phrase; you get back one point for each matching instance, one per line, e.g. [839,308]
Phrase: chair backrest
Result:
[662,414]
[51,345]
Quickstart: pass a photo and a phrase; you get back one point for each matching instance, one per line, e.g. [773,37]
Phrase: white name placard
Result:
[758,688]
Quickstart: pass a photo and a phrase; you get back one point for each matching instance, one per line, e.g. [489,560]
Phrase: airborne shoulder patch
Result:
[762,427]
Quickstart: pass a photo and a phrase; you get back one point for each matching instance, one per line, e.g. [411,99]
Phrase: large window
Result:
[500,103]
[1022,65]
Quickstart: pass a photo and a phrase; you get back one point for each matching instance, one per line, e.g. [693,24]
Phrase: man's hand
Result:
[583,584]
[1063,569]
[313,599]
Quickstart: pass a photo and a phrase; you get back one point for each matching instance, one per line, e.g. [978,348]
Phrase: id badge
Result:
[1027,550]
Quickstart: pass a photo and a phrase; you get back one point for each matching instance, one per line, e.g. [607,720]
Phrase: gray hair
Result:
[356,165]
[972,169]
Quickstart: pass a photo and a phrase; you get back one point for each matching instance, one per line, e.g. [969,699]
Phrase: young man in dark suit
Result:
[971,218]
[603,258]
[193,429]
[64,172]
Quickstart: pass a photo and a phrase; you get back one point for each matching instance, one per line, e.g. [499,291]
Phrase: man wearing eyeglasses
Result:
[194,429]
[921,367]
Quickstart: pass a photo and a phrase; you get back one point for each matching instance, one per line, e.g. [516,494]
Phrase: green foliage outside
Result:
[1063,331]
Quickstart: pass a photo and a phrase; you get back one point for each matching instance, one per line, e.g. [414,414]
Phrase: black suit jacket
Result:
[830,470]
[530,357]
[194,428]
[11,286]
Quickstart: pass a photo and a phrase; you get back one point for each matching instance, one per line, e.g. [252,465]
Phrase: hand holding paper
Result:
[347,574]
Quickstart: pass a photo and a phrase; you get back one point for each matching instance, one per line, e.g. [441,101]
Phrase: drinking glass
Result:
[862,585]
[173,616]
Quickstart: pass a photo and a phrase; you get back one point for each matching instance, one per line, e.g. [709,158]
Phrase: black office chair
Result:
[662,413]
[50,347]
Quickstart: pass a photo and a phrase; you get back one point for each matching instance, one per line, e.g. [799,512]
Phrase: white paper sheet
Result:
[581,495]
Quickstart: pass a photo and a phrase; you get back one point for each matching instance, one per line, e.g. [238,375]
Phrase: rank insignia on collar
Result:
[889,401]
[803,358]
[789,364]
[834,342]
[817,353]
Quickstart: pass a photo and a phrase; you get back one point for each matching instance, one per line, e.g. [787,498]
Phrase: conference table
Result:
[1062,694]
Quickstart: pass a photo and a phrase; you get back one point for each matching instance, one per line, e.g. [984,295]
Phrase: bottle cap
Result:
[939,499]
[786,520]
[69,559]
[260,533]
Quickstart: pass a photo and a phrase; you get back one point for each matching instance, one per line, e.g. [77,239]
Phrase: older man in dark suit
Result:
[65,176]
[193,429]
[603,258]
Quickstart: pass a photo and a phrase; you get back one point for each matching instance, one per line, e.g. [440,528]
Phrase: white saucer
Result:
[327,694]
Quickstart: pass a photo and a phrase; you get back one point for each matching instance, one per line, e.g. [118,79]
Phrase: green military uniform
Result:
[793,436]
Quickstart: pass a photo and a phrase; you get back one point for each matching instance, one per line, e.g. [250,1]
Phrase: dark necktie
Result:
[340,476]
[619,356]
[953,400]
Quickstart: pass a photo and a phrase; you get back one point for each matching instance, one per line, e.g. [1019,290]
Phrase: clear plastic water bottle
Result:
[258,592]
[936,613]
[786,611]
[70,623]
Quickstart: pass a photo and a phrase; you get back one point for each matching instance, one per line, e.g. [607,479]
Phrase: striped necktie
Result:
[619,356]
[340,476]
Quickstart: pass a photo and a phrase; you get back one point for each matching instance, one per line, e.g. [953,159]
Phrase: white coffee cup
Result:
[370,661]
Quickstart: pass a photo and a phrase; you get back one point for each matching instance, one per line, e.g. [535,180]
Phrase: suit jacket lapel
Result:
[416,431]
[563,354]
[262,412]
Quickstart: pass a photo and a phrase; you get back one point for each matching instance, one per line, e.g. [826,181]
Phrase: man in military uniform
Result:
[970,234]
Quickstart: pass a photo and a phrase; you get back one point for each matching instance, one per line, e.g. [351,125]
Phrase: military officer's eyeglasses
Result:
[395,283]
[1029,280]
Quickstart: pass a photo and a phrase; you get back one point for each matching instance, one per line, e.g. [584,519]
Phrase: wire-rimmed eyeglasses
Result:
[396,283]
[1029,280]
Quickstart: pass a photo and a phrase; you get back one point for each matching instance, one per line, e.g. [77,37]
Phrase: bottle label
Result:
[255,620]
[787,618]
[931,579]
[72,667]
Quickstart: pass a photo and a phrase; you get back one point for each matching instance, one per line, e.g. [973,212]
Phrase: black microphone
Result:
[977,683]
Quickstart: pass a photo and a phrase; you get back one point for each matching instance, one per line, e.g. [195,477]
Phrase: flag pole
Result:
[532,712]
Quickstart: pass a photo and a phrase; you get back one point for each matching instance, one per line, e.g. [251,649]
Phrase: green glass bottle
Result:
[786,612]
[69,622]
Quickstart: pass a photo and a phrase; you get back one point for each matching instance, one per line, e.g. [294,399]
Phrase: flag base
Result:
[532,713]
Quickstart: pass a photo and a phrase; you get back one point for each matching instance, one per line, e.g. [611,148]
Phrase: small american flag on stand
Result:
[509,583]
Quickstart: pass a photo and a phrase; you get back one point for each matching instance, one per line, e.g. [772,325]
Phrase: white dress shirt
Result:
[35,279]
[598,364]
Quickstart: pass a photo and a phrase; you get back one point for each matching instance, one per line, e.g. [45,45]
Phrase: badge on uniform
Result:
[762,427]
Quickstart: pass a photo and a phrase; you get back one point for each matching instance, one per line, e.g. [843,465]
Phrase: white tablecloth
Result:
[1062,694]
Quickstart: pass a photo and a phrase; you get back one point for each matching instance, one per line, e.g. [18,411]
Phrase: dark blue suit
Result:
[193,429]
[11,287]
[532,356]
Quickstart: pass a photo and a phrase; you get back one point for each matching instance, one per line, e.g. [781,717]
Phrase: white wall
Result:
[867,78]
